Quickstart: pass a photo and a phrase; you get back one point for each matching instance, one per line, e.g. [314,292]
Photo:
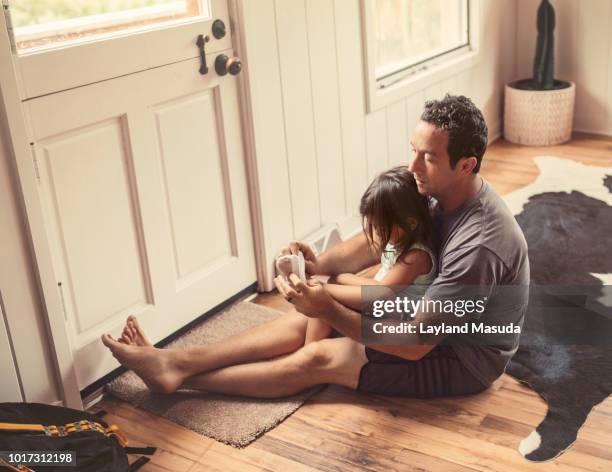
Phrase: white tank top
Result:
[389,258]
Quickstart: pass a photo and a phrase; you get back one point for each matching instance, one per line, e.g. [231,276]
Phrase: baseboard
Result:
[607,134]
[93,398]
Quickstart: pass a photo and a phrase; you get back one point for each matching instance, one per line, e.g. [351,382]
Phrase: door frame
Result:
[12,390]
[27,179]
[263,268]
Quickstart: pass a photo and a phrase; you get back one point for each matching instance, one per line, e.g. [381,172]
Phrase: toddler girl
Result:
[397,225]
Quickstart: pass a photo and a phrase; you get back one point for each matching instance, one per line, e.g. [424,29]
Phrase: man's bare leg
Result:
[338,361]
[165,369]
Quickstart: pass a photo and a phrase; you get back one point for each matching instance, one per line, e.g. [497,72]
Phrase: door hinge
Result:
[62,300]
[6,8]
[35,161]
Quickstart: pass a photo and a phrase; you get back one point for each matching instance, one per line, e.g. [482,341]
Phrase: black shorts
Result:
[440,373]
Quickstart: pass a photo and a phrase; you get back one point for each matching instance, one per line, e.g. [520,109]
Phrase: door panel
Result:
[144,194]
[90,193]
[195,183]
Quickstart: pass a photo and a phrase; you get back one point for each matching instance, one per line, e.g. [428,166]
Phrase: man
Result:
[479,243]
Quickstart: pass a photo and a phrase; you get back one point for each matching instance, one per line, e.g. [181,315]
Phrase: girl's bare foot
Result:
[133,333]
[156,367]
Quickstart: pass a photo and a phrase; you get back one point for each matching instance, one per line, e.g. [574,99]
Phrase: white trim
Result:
[58,334]
[437,58]
[596,132]
[12,383]
[431,73]
[262,268]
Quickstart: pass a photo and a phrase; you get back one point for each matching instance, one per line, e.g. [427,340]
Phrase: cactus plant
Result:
[539,111]
[544,61]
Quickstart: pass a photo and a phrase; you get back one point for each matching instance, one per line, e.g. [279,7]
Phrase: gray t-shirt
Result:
[482,252]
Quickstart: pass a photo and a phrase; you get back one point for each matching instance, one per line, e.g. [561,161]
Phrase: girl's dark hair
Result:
[392,199]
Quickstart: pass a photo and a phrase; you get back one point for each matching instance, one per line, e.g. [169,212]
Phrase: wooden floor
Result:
[342,430]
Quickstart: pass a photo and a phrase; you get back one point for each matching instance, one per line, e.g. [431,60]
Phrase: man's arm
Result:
[349,295]
[351,256]
[314,301]
[348,322]
[351,279]
[405,272]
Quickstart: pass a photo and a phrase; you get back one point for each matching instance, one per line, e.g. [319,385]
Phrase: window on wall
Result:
[411,35]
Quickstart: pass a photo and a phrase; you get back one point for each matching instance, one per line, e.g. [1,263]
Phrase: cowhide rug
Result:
[566,215]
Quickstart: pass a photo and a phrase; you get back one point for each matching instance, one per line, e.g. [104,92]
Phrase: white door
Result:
[142,180]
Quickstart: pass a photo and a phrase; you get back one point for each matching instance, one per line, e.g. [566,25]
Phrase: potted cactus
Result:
[540,110]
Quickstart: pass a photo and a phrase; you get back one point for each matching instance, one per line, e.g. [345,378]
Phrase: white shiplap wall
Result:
[583,54]
[315,146]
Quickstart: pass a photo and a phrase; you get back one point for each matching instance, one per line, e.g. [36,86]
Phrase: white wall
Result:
[316,147]
[583,53]
[19,288]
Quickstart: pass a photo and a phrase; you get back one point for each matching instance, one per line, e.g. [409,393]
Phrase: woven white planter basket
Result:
[539,117]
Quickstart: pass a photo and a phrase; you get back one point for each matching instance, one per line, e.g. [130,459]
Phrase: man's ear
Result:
[467,164]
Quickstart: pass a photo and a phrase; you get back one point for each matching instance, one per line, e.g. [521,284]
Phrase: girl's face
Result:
[397,233]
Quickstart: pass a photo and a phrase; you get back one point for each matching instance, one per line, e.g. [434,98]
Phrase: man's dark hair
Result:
[464,123]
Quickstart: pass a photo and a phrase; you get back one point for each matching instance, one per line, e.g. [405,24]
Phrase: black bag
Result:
[99,447]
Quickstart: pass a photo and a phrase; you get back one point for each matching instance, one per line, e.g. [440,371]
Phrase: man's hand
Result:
[309,256]
[310,299]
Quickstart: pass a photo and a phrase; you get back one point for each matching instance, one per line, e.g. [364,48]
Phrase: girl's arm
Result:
[348,295]
[414,263]
[353,279]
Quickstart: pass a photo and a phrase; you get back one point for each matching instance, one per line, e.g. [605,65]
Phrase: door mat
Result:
[236,421]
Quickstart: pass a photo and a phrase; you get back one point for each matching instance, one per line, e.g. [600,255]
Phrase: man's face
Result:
[430,160]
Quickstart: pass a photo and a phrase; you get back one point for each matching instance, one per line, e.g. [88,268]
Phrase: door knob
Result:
[225,64]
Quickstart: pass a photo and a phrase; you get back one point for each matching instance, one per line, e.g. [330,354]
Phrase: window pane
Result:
[43,22]
[409,32]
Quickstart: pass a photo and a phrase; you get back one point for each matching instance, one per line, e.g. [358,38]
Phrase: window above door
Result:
[43,24]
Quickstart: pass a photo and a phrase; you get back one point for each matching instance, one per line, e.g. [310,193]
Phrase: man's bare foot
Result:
[133,333]
[156,367]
